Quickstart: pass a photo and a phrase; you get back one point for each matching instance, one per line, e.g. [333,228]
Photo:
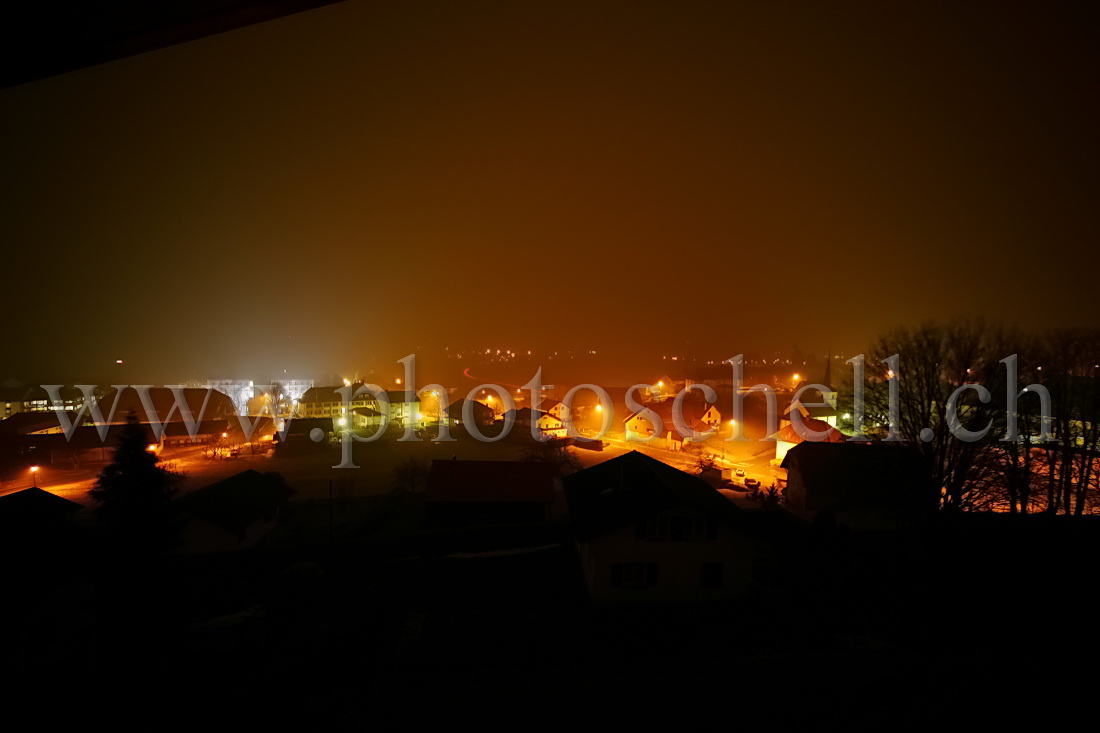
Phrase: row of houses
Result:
[646,531]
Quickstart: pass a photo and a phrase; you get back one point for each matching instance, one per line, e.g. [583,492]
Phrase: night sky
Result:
[344,186]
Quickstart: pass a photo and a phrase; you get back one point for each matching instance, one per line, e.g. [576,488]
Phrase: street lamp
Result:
[34,475]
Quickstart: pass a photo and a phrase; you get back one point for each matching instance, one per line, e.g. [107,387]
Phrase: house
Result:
[547,425]
[855,482]
[366,418]
[328,402]
[85,444]
[233,513]
[810,429]
[481,413]
[554,407]
[471,493]
[648,532]
[404,407]
[317,402]
[698,416]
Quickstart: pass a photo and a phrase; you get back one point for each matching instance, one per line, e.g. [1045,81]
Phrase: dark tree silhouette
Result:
[134,494]
[554,453]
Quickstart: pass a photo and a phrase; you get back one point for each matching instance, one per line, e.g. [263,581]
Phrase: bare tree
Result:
[929,367]
[1071,373]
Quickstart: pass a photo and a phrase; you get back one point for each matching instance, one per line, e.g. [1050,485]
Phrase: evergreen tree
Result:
[134,494]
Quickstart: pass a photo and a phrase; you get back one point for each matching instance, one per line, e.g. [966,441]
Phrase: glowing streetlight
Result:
[34,475]
[599,408]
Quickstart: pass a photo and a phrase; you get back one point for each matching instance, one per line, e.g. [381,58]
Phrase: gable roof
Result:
[478,409]
[30,506]
[490,481]
[164,402]
[815,410]
[792,434]
[622,490]
[235,502]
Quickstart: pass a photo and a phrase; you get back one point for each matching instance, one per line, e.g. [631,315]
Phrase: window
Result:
[634,575]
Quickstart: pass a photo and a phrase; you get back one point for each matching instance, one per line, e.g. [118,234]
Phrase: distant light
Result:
[660,384]
[419,416]
[152,447]
[34,469]
[118,361]
[599,408]
[347,382]
[796,377]
[399,381]
[225,435]
[847,416]
[889,373]
[342,422]
[733,422]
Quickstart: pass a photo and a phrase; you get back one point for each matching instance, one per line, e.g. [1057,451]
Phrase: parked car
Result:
[751,483]
[739,473]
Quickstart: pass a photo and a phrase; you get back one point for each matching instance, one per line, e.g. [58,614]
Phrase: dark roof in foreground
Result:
[624,489]
[237,501]
[619,492]
[490,481]
[33,505]
[848,475]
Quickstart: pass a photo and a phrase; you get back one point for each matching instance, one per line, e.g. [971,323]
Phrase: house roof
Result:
[526,414]
[321,395]
[236,502]
[490,481]
[206,427]
[624,489]
[844,476]
[693,412]
[24,423]
[86,437]
[33,505]
[164,402]
[815,410]
[792,434]
[304,425]
[479,409]
[367,412]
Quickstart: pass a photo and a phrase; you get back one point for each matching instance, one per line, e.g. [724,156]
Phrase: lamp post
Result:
[34,476]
